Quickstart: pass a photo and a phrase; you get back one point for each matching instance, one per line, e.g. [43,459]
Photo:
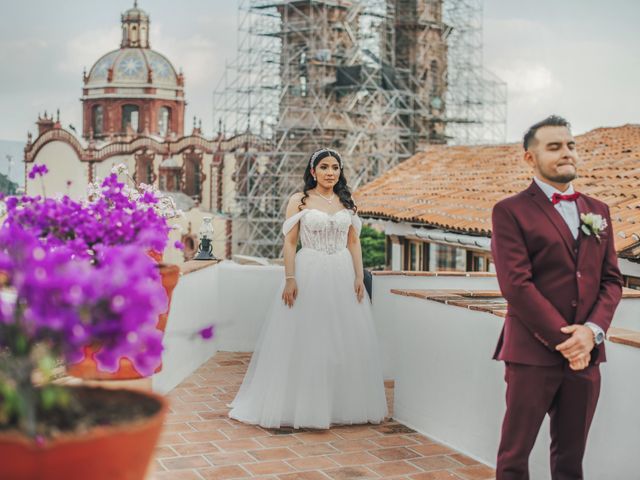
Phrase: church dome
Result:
[134,89]
[133,66]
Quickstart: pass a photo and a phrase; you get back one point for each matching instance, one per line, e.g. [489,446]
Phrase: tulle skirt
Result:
[317,363]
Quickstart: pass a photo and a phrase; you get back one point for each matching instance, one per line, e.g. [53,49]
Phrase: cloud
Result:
[531,80]
[585,69]
[200,57]
[86,48]
[19,48]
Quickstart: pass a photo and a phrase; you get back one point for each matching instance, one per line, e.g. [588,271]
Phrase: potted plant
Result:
[113,214]
[53,303]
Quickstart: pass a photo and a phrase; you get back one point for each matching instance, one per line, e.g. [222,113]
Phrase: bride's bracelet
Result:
[290,276]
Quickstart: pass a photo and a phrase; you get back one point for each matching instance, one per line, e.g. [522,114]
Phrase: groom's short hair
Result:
[550,121]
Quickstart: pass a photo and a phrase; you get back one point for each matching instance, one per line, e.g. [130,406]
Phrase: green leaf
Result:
[21,344]
[9,402]
[48,398]
[46,365]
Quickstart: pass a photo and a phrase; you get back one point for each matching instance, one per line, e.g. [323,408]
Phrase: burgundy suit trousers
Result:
[570,399]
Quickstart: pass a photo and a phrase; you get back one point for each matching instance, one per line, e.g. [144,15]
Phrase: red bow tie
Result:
[557,197]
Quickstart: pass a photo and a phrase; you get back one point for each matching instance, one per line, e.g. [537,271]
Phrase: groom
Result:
[558,270]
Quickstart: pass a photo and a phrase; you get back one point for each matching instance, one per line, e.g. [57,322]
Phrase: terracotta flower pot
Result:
[156,255]
[87,368]
[106,452]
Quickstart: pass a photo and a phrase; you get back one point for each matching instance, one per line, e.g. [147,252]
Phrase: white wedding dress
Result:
[317,363]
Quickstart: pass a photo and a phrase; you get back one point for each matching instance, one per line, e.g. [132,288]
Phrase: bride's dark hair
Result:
[341,189]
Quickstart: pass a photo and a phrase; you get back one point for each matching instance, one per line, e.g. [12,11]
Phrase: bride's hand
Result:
[290,292]
[359,288]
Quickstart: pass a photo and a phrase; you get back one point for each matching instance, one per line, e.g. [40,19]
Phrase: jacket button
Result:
[578,274]
[574,304]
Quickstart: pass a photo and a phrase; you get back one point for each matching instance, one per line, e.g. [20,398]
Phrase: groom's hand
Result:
[578,346]
[580,363]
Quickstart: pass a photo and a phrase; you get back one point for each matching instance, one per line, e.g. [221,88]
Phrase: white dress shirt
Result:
[569,212]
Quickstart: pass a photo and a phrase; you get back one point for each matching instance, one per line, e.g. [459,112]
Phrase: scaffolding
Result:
[476,99]
[368,78]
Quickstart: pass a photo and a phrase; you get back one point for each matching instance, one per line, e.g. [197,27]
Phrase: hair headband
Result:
[322,150]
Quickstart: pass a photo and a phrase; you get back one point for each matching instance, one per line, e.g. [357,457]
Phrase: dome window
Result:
[97,120]
[130,117]
[164,120]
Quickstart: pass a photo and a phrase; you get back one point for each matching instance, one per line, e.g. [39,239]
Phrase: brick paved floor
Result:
[200,442]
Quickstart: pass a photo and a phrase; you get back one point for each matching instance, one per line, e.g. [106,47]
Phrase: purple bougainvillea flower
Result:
[112,300]
[110,219]
[179,245]
[38,171]
[206,333]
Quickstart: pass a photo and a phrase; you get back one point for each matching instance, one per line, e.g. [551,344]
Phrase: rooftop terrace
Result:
[437,334]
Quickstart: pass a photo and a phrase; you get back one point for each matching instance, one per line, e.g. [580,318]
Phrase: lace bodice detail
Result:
[323,231]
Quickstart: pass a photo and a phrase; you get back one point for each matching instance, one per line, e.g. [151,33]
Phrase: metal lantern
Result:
[205,249]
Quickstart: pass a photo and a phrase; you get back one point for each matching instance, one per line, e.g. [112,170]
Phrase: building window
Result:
[425,256]
[303,73]
[415,257]
[447,258]
[478,261]
[144,170]
[193,174]
[197,175]
[435,77]
[130,116]
[97,119]
[164,119]
[177,176]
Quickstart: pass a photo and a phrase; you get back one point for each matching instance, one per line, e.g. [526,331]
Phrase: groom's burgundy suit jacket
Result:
[549,279]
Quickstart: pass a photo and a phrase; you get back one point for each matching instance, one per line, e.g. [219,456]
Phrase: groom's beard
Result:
[566,178]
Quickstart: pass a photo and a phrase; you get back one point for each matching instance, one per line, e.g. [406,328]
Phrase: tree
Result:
[373,247]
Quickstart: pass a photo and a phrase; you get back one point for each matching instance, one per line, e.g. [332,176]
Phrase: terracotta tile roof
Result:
[455,187]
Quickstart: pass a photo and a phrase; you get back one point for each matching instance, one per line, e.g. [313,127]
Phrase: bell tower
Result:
[135,28]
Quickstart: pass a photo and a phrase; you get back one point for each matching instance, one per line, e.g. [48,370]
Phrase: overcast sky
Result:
[577,58]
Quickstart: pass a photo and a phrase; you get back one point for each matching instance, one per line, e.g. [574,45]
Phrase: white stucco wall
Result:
[448,387]
[103,169]
[384,308]
[228,184]
[64,166]
[233,297]
[193,306]
[206,186]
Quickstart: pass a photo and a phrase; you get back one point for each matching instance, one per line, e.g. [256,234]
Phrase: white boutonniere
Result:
[592,224]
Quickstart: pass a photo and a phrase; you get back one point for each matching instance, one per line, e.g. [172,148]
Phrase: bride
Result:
[316,361]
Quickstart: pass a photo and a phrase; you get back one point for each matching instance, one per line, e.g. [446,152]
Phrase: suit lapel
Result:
[553,216]
[581,203]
